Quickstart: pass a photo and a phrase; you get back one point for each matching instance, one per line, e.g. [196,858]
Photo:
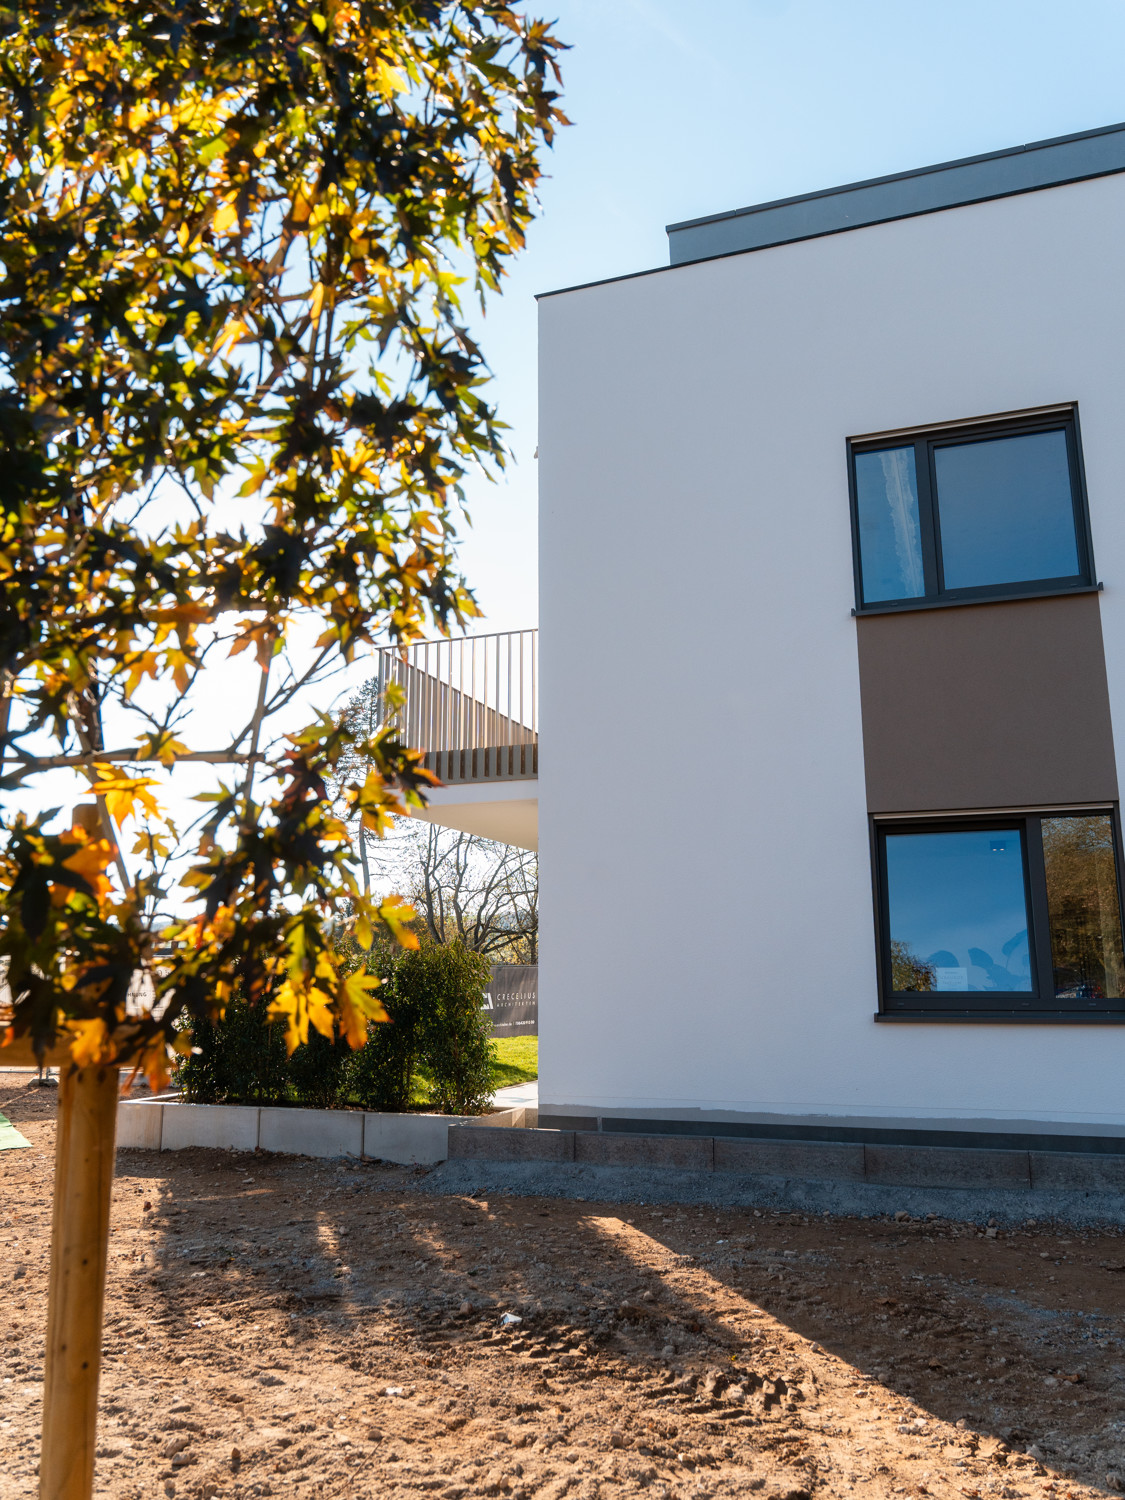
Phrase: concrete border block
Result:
[225,1127]
[312,1132]
[410,1140]
[685,1153]
[482,1143]
[139,1123]
[1066,1171]
[827,1161]
[946,1166]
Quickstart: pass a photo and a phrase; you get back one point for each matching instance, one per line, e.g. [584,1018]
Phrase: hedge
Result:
[433,1053]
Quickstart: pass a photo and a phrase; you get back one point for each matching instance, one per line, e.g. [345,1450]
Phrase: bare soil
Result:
[277,1326]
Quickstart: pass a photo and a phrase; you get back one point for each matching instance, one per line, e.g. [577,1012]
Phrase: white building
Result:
[833,617]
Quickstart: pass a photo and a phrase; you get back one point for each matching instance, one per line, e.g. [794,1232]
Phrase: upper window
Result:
[980,513]
[1001,915]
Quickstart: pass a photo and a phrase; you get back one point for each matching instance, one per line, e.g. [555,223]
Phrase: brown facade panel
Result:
[988,705]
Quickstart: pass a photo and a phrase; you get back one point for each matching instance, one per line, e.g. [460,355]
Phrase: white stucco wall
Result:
[707,936]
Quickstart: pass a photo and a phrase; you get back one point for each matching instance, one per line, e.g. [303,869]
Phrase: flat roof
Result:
[878,200]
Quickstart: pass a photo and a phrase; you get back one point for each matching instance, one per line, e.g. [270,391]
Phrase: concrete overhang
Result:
[504,810]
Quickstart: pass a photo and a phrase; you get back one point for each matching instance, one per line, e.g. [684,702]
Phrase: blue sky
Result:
[684,108]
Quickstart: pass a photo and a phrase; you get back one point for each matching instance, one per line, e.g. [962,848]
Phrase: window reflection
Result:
[1082,904]
[958,911]
[1006,510]
[889,534]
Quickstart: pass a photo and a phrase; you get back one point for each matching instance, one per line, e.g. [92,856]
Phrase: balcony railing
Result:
[472,704]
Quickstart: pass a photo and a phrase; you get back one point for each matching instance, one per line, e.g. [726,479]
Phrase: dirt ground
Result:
[283,1327]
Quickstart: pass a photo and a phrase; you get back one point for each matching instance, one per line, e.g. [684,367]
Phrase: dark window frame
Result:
[929,520]
[1040,1003]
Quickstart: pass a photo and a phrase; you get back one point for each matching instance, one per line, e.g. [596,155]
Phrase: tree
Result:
[471,890]
[909,973]
[237,399]
[233,238]
[478,892]
[362,717]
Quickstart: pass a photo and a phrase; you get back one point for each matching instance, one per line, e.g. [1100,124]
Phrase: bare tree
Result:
[483,892]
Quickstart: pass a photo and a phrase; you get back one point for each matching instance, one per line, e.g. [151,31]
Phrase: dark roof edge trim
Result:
[866,182]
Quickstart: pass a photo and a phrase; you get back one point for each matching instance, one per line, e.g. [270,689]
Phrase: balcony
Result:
[472,706]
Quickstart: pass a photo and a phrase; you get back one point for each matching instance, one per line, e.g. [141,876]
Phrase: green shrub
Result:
[240,1059]
[318,1071]
[447,982]
[437,1044]
[383,1073]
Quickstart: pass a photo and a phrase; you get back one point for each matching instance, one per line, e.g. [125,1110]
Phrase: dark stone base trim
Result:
[870,1162]
[984,1140]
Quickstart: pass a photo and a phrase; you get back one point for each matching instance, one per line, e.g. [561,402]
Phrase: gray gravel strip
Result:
[734,1190]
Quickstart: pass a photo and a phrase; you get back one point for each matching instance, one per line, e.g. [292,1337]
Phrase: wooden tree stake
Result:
[84,1156]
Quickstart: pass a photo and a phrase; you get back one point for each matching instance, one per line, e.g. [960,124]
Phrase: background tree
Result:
[362,717]
[477,892]
[237,399]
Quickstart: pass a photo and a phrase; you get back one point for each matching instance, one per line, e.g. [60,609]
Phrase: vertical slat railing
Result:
[471,703]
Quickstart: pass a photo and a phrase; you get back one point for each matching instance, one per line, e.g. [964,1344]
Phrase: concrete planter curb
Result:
[408,1140]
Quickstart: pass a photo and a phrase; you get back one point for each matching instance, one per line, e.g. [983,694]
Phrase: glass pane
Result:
[890,544]
[958,913]
[1005,511]
[1083,906]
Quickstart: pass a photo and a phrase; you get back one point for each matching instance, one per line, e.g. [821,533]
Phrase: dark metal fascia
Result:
[778,224]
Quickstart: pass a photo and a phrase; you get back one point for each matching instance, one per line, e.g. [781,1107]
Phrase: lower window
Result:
[1001,916]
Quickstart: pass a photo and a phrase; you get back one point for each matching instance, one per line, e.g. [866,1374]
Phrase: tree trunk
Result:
[84,1155]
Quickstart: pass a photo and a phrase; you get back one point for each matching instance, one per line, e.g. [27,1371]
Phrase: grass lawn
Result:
[517,1060]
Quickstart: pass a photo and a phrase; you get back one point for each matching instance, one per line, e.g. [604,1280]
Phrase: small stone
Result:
[175,1444]
[902,1216]
[466,1308]
[667,1352]
[617,1439]
[508,1320]
[270,1380]
[1113,1480]
[649,1296]
[169,1487]
[395,1390]
[1049,1380]
[235,1458]
[990,1234]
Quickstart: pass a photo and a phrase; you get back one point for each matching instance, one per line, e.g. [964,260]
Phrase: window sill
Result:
[916,604]
[1007,1017]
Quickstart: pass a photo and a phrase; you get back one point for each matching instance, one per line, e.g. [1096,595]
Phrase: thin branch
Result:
[256,731]
[36,763]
